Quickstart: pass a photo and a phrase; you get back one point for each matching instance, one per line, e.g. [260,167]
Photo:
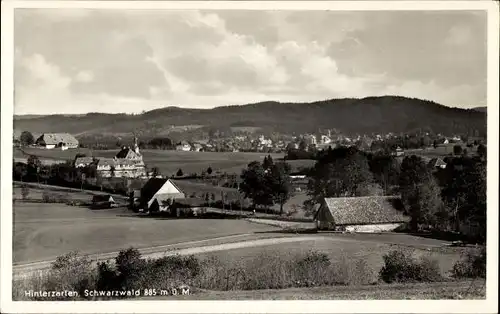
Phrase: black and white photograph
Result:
[226,151]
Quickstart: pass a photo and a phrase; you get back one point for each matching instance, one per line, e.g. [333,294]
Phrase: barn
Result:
[360,214]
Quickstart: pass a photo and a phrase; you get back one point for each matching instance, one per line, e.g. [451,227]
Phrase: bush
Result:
[50,197]
[71,272]
[401,267]
[472,266]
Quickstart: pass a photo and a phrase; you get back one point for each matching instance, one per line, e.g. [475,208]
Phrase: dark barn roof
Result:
[365,210]
[56,138]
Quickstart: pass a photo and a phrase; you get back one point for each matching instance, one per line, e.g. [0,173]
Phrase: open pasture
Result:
[347,250]
[168,161]
[44,231]
[440,151]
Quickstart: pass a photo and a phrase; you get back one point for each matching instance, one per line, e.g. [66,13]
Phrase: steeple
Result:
[136,146]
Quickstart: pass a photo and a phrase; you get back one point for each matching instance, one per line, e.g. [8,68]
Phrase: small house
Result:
[183,146]
[360,214]
[103,201]
[437,163]
[82,162]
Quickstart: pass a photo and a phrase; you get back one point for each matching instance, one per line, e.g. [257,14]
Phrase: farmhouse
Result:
[157,194]
[82,162]
[103,201]
[183,146]
[60,140]
[437,163]
[360,214]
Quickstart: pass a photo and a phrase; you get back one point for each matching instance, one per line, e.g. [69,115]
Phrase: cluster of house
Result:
[128,163]
[351,214]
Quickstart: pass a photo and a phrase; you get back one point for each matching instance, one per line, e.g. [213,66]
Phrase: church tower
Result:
[136,146]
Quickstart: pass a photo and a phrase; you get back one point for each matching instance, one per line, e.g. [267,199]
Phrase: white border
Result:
[434,306]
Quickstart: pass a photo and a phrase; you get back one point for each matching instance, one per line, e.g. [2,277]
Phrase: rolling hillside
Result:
[366,115]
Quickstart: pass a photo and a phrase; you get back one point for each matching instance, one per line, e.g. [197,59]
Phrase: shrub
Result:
[472,266]
[50,197]
[400,266]
[71,272]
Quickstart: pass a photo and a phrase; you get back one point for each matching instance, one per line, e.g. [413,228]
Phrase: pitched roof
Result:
[151,187]
[365,210]
[84,160]
[436,162]
[127,152]
[56,138]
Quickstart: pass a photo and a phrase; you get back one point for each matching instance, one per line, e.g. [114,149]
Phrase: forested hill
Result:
[366,115]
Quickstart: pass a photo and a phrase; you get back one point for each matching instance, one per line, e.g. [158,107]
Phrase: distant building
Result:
[360,214]
[82,162]
[128,163]
[325,139]
[57,140]
[183,146]
[398,152]
[310,139]
[103,201]
[437,163]
[197,147]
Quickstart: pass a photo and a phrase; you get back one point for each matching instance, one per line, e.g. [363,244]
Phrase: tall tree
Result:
[254,186]
[26,138]
[420,192]
[342,172]
[34,165]
[279,183]
[457,150]
[268,162]
[302,145]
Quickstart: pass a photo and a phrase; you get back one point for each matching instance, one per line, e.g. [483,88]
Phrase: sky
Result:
[81,60]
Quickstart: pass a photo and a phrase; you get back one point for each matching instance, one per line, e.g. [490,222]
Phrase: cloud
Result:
[84,76]
[106,60]
[459,35]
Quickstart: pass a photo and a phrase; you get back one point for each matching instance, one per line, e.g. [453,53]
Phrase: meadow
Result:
[169,161]
[348,251]
[43,231]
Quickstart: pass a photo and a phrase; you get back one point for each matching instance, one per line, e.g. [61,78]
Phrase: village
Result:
[295,152]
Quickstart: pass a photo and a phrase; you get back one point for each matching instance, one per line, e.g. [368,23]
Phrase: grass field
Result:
[44,231]
[367,247]
[168,161]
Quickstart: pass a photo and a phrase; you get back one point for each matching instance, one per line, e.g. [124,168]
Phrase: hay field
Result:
[351,248]
[168,161]
[44,231]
